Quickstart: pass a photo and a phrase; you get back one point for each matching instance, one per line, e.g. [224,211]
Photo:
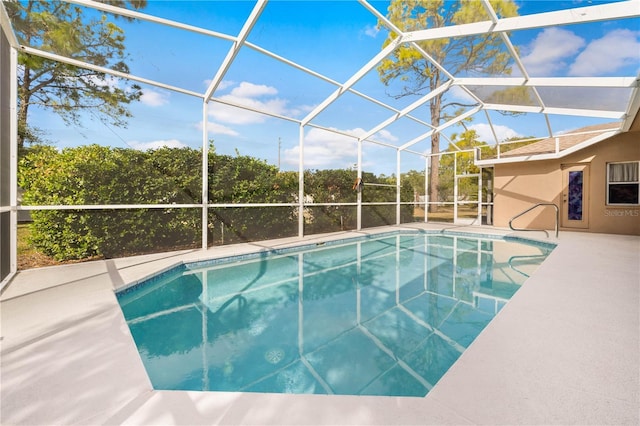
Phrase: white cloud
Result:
[550,51]
[233,115]
[153,98]
[615,50]
[218,129]
[259,97]
[325,149]
[457,93]
[250,90]
[144,146]
[301,110]
[223,84]
[484,133]
[563,131]
[371,31]
[385,136]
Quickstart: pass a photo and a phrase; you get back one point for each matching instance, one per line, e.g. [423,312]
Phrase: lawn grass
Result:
[28,256]
[23,238]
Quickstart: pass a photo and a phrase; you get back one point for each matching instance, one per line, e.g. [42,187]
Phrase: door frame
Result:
[583,222]
[477,220]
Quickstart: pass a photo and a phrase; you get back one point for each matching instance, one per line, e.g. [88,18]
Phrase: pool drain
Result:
[274,356]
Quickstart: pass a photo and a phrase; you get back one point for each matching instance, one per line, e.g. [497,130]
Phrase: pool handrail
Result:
[528,256]
[531,208]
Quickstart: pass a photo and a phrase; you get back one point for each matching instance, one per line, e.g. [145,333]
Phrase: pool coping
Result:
[579,309]
[323,242]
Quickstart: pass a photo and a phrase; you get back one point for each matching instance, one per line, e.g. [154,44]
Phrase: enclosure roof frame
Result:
[496,25]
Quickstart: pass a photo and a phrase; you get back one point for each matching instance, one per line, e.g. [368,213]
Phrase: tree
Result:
[99,175]
[330,186]
[464,164]
[475,55]
[95,174]
[245,179]
[415,180]
[64,29]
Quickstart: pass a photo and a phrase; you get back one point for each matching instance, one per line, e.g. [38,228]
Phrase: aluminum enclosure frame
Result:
[502,26]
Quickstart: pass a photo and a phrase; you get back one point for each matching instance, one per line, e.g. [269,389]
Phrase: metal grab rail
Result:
[531,208]
[530,256]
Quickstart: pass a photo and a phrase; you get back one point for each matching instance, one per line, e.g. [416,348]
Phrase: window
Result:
[623,184]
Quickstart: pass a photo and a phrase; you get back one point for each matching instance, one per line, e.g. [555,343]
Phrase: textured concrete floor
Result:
[565,350]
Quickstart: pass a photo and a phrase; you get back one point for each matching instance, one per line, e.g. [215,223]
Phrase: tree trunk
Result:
[434,173]
[24,92]
[23,110]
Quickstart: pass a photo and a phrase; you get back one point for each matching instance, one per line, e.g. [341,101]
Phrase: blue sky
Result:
[334,39]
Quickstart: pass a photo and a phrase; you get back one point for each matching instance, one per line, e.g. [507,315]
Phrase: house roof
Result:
[564,141]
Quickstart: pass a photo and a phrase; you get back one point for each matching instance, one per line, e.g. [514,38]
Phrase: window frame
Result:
[608,185]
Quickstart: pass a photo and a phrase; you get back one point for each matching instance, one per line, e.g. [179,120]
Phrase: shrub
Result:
[98,175]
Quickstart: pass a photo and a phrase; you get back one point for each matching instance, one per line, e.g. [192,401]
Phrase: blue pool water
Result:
[383,315]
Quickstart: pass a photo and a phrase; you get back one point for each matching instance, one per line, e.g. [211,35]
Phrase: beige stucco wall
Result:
[519,186]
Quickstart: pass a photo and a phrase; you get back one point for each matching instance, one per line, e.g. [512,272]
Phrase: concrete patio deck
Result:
[565,350]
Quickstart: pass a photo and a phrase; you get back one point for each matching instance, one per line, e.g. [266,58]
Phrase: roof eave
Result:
[549,156]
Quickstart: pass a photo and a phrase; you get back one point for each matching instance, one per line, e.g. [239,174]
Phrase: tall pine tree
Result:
[65,29]
[468,55]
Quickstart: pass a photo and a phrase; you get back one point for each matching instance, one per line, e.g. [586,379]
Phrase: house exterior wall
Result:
[519,186]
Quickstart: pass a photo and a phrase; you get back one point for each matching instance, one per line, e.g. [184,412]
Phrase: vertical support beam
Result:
[9,159]
[300,304]
[455,187]
[205,174]
[301,182]
[13,153]
[358,293]
[427,164]
[480,197]
[398,187]
[204,277]
[359,193]
[454,265]
[397,270]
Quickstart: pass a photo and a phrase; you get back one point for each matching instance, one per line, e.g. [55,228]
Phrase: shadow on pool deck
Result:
[565,350]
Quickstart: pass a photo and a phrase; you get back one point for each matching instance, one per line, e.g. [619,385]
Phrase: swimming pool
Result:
[381,315]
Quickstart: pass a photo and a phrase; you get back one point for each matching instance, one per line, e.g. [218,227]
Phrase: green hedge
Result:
[98,175]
